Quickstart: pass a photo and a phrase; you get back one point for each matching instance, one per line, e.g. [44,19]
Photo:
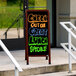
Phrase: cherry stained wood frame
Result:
[26,38]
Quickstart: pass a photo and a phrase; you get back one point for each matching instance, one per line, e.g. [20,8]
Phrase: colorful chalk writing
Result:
[41,25]
[38,40]
[38,49]
[37,17]
[37,32]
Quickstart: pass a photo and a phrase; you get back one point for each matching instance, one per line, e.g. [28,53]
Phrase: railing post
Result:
[16,72]
[70,33]
[5,35]
[69,46]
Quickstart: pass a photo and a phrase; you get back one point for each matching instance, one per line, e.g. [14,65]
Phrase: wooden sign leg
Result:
[25,55]
[46,57]
[27,60]
[49,57]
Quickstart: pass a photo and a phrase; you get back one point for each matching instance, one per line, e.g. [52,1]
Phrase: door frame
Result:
[53,23]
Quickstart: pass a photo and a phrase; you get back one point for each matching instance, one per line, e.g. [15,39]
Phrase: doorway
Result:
[51,6]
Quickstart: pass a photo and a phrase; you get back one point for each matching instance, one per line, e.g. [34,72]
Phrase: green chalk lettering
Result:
[38,49]
[38,40]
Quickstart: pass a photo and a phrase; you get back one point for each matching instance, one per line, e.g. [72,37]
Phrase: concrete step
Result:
[58,74]
[39,70]
[38,65]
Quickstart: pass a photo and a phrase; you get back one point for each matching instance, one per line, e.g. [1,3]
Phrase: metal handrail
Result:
[64,46]
[15,21]
[67,29]
[37,7]
[17,66]
[70,45]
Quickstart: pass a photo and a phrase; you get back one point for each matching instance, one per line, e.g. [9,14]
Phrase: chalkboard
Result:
[37,32]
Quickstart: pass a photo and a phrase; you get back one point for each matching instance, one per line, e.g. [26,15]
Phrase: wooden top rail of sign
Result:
[37,33]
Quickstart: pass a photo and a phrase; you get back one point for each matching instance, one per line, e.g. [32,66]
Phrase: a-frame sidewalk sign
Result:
[37,39]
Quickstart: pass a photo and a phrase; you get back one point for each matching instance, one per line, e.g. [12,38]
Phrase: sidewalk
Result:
[12,33]
[58,57]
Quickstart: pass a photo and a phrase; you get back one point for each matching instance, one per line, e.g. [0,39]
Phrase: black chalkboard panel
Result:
[37,32]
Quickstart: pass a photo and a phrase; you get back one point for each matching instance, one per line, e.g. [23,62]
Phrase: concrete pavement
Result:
[37,65]
[12,33]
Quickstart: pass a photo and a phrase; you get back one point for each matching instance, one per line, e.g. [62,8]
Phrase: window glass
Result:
[37,4]
[11,19]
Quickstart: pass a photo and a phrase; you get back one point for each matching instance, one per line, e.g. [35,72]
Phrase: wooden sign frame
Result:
[26,37]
